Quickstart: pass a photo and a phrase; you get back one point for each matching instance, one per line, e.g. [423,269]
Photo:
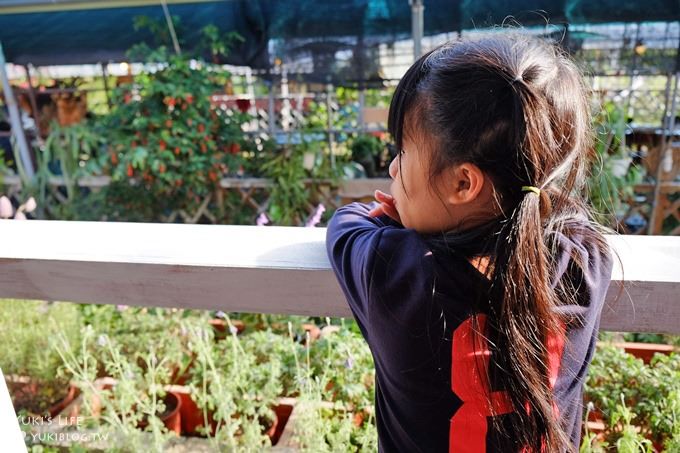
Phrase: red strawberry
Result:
[130,171]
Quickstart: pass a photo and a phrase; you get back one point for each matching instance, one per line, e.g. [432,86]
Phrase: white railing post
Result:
[11,437]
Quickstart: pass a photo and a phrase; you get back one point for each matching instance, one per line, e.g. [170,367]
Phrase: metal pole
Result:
[32,98]
[362,106]
[329,110]
[417,26]
[171,27]
[15,120]
[105,74]
[271,110]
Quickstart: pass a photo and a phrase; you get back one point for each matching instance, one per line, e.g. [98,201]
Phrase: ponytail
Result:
[522,317]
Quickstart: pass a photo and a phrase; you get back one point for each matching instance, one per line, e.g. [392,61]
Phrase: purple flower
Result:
[262,219]
[220,314]
[316,217]
[121,307]
[349,363]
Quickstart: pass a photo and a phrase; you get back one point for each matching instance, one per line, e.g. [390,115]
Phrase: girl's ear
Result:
[465,183]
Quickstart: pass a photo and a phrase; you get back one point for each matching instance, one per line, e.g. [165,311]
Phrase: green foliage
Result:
[167,139]
[219,45]
[652,392]
[136,397]
[328,422]
[368,150]
[630,441]
[73,150]
[25,330]
[612,177]
[133,329]
[238,386]
[291,201]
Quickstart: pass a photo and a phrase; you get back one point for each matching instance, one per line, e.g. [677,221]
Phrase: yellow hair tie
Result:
[533,189]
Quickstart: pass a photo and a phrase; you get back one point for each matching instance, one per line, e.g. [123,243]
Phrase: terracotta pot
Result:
[179,376]
[283,412]
[26,390]
[171,417]
[192,415]
[646,351]
[314,331]
[57,408]
[222,328]
[193,420]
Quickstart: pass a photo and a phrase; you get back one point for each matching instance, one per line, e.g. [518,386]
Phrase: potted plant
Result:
[335,387]
[234,391]
[28,362]
[650,391]
[133,401]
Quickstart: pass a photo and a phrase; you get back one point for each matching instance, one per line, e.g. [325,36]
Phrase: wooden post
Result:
[656,219]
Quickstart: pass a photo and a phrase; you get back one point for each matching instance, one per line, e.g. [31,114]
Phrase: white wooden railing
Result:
[259,269]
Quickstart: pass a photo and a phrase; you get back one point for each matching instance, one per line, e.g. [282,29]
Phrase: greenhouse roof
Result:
[44,32]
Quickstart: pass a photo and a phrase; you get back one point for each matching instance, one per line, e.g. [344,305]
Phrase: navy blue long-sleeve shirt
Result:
[415,304]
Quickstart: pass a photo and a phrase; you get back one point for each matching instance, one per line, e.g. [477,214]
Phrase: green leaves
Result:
[630,393]
[612,178]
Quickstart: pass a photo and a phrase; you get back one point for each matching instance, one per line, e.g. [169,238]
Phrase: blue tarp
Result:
[78,31]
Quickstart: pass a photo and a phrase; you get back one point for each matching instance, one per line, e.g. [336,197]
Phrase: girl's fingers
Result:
[375,212]
[383,197]
[391,211]
[385,209]
[386,206]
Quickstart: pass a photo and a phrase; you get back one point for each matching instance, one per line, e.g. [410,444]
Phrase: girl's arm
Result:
[352,241]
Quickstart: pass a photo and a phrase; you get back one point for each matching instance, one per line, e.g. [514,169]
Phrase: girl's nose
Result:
[394,167]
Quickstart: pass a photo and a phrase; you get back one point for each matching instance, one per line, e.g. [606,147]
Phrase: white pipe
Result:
[15,119]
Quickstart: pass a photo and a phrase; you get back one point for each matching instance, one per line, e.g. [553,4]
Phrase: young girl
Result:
[478,283]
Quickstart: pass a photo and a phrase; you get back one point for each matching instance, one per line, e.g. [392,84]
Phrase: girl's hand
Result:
[386,207]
